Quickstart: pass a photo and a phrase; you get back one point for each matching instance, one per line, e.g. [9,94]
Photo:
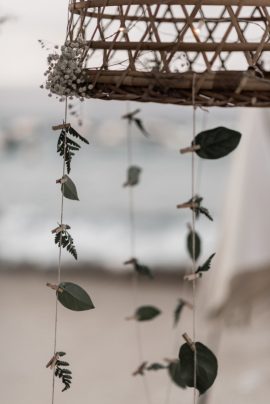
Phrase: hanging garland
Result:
[70,295]
[196,365]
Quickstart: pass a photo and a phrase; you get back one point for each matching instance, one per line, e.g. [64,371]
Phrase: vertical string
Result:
[132,238]
[59,258]
[193,238]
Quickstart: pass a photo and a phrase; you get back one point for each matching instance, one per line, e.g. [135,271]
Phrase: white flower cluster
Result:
[65,76]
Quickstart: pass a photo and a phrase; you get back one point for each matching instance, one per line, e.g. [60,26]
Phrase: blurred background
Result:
[102,347]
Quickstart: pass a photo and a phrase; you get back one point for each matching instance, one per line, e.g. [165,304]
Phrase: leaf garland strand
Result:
[67,147]
[64,239]
[206,266]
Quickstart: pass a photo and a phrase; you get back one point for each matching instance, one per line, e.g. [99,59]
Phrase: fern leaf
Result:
[74,133]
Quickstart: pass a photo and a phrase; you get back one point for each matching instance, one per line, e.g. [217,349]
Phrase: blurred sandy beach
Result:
[102,346]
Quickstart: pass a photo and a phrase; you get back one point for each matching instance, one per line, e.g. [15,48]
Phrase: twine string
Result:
[194,313]
[132,241]
[59,258]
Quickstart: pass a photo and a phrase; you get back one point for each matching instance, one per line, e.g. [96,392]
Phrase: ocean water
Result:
[30,198]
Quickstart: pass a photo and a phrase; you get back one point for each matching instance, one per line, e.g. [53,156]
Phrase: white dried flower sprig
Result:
[65,71]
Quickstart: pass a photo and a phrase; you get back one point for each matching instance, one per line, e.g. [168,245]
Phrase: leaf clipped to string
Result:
[74,297]
[68,188]
[146,313]
[198,209]
[131,117]
[206,266]
[66,146]
[64,239]
[178,310]
[207,366]
[74,133]
[216,143]
[60,369]
[156,366]
[175,373]
[140,268]
[197,244]
[133,176]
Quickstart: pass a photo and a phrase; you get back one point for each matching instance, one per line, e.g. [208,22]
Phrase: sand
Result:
[102,347]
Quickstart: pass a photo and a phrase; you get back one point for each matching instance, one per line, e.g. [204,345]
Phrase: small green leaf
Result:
[69,188]
[198,209]
[145,313]
[207,366]
[133,175]
[174,370]
[74,133]
[197,245]
[138,122]
[143,270]
[216,143]
[156,366]
[206,266]
[73,297]
[178,310]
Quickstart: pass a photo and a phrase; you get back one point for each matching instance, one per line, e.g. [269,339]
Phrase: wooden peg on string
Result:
[54,287]
[62,180]
[189,204]
[52,362]
[192,277]
[61,228]
[189,341]
[61,126]
[190,149]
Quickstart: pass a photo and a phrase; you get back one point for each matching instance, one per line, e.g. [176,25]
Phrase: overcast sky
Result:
[23,62]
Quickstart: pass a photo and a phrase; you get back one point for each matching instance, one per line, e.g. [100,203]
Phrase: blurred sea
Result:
[30,198]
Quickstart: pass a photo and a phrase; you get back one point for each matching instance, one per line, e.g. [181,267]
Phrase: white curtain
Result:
[244,242]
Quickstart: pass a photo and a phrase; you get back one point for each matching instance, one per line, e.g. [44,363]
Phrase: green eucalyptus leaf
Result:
[216,143]
[206,266]
[74,297]
[133,176]
[174,370]
[145,313]
[207,366]
[69,188]
[197,245]
[156,366]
